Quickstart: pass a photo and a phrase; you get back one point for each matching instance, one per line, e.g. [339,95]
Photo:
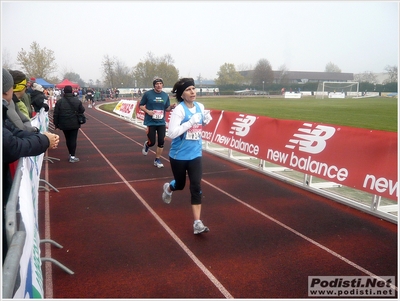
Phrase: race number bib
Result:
[158,114]
[194,133]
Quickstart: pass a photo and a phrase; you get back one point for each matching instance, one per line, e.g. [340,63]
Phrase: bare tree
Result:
[244,67]
[108,71]
[123,75]
[392,74]
[37,62]
[6,60]
[74,77]
[366,77]
[262,73]
[283,74]
[151,66]
[331,67]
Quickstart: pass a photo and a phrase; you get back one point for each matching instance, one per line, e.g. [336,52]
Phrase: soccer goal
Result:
[337,90]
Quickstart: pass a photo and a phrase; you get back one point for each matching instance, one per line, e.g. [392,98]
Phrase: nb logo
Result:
[310,140]
[241,126]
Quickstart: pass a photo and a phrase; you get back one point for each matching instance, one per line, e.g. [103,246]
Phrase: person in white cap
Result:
[38,98]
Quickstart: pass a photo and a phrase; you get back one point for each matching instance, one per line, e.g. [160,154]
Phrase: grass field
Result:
[378,113]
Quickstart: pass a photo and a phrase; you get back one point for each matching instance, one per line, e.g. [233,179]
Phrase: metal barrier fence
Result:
[373,204]
[15,235]
[22,275]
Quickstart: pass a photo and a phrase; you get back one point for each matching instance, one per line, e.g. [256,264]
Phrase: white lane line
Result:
[278,222]
[191,255]
[300,235]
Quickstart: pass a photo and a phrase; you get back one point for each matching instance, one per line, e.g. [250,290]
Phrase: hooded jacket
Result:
[17,144]
[64,115]
[17,117]
[37,101]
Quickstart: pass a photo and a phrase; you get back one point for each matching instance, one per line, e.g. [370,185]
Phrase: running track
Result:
[266,237]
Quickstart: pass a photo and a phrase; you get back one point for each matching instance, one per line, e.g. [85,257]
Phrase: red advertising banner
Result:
[139,113]
[359,158]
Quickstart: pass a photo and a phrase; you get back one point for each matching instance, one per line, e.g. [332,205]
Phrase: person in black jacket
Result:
[65,119]
[18,143]
[38,98]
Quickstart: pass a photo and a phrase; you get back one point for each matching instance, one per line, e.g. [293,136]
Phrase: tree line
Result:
[41,62]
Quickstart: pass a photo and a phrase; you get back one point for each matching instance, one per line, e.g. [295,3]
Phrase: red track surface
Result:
[266,237]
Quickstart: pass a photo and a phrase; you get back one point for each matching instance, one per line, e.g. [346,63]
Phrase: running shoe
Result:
[199,227]
[158,163]
[166,196]
[73,160]
[145,149]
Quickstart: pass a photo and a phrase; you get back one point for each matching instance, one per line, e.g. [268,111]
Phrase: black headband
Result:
[182,88]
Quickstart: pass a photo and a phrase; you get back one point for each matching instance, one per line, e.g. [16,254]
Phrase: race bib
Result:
[194,133]
[158,114]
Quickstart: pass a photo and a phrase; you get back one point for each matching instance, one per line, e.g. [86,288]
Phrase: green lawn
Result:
[372,113]
[378,113]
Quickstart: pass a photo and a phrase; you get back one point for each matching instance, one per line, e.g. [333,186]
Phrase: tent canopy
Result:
[44,83]
[67,82]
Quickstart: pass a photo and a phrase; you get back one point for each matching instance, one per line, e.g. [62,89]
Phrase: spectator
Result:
[23,100]
[29,88]
[38,99]
[97,95]
[14,114]
[80,94]
[65,119]
[17,144]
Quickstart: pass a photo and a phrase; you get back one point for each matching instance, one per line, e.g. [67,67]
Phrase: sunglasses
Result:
[20,85]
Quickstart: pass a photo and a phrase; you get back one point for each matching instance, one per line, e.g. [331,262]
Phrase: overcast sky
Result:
[201,36]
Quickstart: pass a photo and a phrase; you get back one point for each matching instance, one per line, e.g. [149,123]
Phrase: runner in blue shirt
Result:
[155,103]
[185,155]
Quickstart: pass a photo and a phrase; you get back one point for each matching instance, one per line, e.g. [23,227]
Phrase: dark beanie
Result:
[8,81]
[157,80]
[18,76]
[67,89]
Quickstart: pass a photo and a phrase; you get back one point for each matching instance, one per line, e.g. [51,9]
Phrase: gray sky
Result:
[201,36]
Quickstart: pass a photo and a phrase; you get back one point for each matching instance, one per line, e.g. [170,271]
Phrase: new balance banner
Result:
[359,158]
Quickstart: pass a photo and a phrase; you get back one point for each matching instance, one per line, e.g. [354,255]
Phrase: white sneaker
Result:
[166,196]
[145,149]
[198,227]
[73,159]
[158,163]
